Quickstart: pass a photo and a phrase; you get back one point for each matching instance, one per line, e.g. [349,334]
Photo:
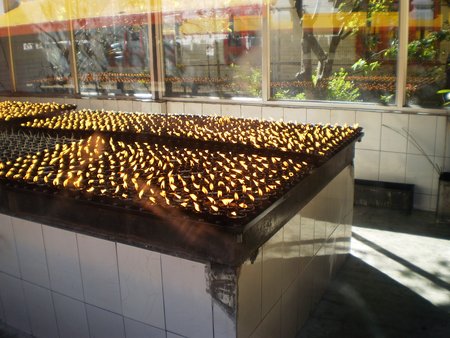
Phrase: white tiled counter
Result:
[60,283]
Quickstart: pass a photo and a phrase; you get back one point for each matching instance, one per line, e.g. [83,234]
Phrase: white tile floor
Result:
[420,263]
[396,283]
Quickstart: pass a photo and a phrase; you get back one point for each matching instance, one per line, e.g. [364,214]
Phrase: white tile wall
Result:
[96,104]
[124,105]
[59,100]
[330,227]
[63,263]
[307,237]
[147,107]
[305,300]
[422,202]
[320,274]
[289,310]
[233,110]
[160,107]
[192,108]
[433,202]
[251,112]
[249,296]
[440,162]
[441,130]
[210,109]
[9,261]
[272,113]
[367,164]
[271,325]
[104,324]
[224,323]
[70,316]
[136,106]
[421,127]
[297,115]
[188,306]
[291,251]
[371,122]
[391,140]
[175,107]
[30,248]
[40,309]
[99,272]
[13,302]
[318,116]
[446,141]
[272,258]
[320,229]
[392,167]
[342,117]
[420,172]
[134,329]
[141,285]
[83,104]
[110,105]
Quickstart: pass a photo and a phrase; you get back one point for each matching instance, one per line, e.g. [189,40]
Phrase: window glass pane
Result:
[334,50]
[112,47]
[40,45]
[428,53]
[212,48]
[5,76]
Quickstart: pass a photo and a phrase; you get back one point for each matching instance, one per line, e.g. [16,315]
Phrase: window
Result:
[212,49]
[5,68]
[333,50]
[428,53]
[112,48]
[41,47]
[320,50]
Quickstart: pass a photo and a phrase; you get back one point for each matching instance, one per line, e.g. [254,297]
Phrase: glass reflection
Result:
[212,48]
[428,53]
[112,48]
[40,45]
[5,75]
[333,50]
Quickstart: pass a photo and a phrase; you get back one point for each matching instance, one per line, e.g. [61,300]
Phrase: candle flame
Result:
[227,201]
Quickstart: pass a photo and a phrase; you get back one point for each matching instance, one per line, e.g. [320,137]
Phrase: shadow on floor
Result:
[363,302]
[422,223]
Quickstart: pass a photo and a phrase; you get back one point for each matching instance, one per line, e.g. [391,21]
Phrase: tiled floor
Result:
[396,283]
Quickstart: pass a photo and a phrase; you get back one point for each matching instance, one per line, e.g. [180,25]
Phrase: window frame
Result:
[156,54]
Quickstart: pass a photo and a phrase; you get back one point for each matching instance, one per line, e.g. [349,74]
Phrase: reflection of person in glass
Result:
[309,44]
[135,49]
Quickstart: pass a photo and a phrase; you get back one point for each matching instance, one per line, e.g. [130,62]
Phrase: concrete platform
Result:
[396,283]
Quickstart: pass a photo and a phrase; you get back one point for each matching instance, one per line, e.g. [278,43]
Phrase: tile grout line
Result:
[21,275]
[163,294]
[120,288]
[49,280]
[82,285]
